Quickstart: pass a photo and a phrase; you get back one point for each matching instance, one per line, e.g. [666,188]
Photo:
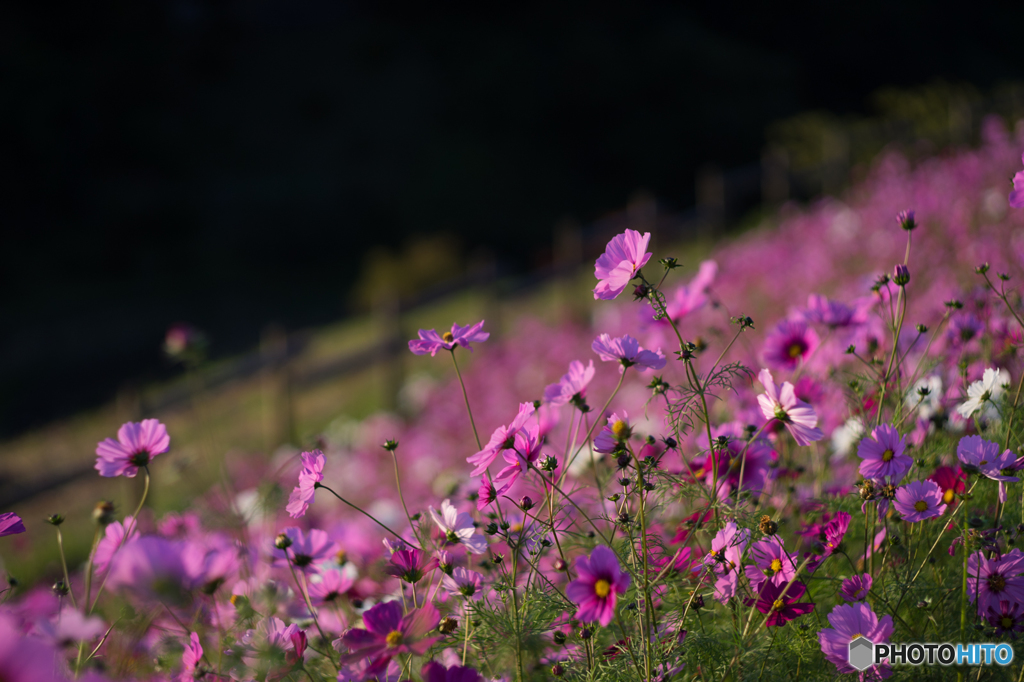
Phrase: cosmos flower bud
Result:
[557,670]
[390,445]
[103,514]
[767,526]
[448,625]
[60,589]
[55,519]
[698,602]
[559,637]
[559,564]
[549,463]
[907,220]
[526,504]
[982,269]
[901,275]
[282,541]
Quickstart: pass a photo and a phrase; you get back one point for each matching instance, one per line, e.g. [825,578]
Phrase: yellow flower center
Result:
[983,462]
[775,565]
[620,430]
[1006,622]
[856,636]
[795,350]
[921,506]
[602,588]
[393,639]
[447,337]
[516,528]
[777,605]
[888,455]
[947,496]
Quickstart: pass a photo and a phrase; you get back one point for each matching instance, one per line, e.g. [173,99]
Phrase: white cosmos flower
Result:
[981,395]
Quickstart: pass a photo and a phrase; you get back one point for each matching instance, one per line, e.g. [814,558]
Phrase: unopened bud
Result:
[559,564]
[906,220]
[901,275]
[526,504]
[981,269]
[448,625]
[55,519]
[559,637]
[549,463]
[390,445]
[557,670]
[103,514]
[922,329]
[282,541]
[60,589]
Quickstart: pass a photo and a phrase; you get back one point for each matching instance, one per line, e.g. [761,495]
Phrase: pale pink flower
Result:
[136,445]
[799,417]
[625,254]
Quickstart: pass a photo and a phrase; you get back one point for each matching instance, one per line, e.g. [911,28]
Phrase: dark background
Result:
[231,163]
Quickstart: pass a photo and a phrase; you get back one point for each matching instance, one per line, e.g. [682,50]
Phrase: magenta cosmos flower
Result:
[724,559]
[772,563]
[311,474]
[573,385]
[616,432]
[10,524]
[883,455]
[627,351]
[799,417]
[995,579]
[850,621]
[782,608]
[387,634]
[754,464]
[1008,619]
[919,500]
[791,342]
[431,341]
[305,549]
[435,672]
[191,658]
[600,580]
[332,584]
[856,588]
[834,314]
[625,254]
[410,565]
[26,659]
[503,438]
[1017,195]
[834,531]
[136,445]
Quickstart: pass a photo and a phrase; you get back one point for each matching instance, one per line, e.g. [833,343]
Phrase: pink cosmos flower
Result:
[431,341]
[799,417]
[614,433]
[332,585]
[150,566]
[486,494]
[791,342]
[70,627]
[387,634]
[627,351]
[519,457]
[725,557]
[464,582]
[856,588]
[834,314]
[306,550]
[503,438]
[458,528]
[883,455]
[691,297]
[410,565]
[1008,619]
[754,464]
[993,580]
[25,659]
[835,531]
[136,445]
[919,500]
[573,385]
[311,474]
[625,254]
[11,524]
[1017,195]
[600,580]
[781,607]
[979,456]
[190,659]
[772,563]
[848,622]
[435,672]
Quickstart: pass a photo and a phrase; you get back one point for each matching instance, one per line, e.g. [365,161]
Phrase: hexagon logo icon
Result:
[862,653]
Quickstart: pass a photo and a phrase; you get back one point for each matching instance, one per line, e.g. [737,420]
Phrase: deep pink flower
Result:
[856,588]
[486,494]
[951,481]
[503,438]
[410,565]
[435,672]
[835,531]
[754,464]
[431,341]
[1017,195]
[919,500]
[627,351]
[458,528]
[1008,619]
[782,608]
[791,342]
[573,385]
[387,634]
[625,254]
[190,658]
[848,622]
[883,455]
[10,524]
[772,563]
[799,417]
[600,580]
[524,453]
[306,550]
[995,579]
[725,557]
[311,474]
[136,445]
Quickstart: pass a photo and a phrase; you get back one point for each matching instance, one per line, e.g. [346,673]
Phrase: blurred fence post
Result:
[774,176]
[387,321]
[711,198]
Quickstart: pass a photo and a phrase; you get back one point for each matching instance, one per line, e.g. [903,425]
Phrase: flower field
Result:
[738,468]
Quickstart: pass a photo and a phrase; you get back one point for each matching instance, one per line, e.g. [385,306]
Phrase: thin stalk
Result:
[398,484]
[364,513]
[304,589]
[590,431]
[465,396]
[64,565]
[127,533]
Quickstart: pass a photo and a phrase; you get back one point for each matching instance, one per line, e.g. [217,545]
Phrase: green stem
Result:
[363,512]
[465,396]
[64,565]
[127,533]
